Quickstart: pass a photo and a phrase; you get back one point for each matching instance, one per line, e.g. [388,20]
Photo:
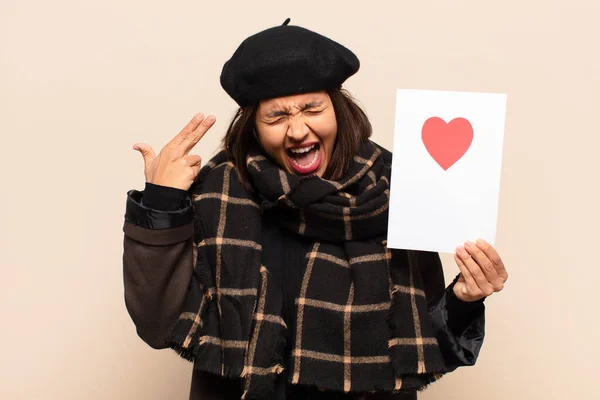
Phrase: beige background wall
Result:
[81,81]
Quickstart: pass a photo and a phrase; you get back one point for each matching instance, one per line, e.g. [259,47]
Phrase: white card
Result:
[447,157]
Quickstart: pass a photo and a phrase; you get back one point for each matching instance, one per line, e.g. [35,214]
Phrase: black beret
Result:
[285,60]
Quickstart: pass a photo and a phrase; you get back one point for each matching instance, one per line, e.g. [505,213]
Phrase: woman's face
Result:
[298,131]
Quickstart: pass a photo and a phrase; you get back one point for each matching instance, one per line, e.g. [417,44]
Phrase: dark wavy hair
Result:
[353,126]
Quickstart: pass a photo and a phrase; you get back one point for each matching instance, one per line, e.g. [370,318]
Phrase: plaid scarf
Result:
[361,320]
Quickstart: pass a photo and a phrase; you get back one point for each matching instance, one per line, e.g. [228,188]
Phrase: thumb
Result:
[147,152]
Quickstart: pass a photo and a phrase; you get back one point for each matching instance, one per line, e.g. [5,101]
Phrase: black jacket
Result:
[157,269]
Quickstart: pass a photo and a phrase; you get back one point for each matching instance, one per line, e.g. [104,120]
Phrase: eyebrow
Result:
[277,113]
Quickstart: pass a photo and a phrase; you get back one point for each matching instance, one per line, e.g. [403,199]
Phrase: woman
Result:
[269,267]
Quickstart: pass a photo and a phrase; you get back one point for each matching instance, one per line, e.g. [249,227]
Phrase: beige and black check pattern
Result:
[361,312]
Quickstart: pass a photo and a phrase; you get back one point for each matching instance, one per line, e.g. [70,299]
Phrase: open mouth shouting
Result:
[305,158]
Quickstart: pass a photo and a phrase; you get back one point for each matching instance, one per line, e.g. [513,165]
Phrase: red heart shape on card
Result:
[447,142]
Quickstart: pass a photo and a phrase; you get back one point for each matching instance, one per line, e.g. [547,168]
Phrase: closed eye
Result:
[313,112]
[273,122]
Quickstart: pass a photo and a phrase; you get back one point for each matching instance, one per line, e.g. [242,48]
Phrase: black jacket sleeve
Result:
[460,328]
[158,251]
[459,325]
[164,198]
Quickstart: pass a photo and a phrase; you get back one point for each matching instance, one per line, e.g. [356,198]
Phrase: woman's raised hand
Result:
[173,166]
[482,271]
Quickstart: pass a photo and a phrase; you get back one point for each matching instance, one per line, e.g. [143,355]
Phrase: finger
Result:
[475,270]
[196,169]
[187,130]
[147,152]
[471,286]
[486,265]
[193,159]
[493,255]
[186,140]
[198,133]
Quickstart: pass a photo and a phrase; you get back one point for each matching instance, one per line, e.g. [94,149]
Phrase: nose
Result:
[297,128]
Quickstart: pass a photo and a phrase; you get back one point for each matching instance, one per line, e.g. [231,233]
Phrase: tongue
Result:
[305,158]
